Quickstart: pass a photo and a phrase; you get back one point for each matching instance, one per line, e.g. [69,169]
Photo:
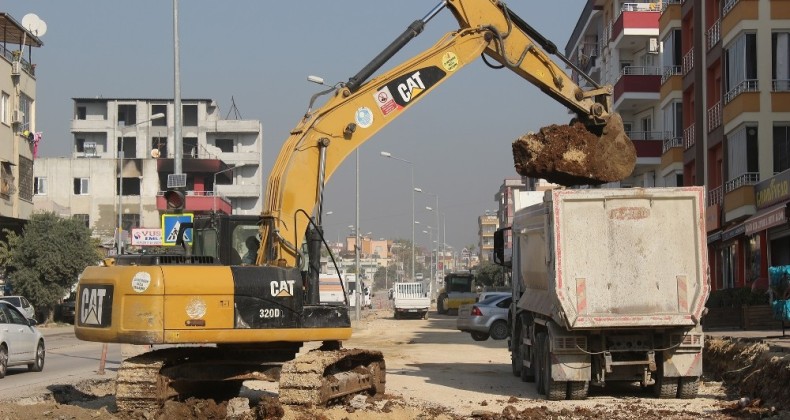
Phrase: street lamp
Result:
[411,164]
[214,185]
[119,245]
[435,210]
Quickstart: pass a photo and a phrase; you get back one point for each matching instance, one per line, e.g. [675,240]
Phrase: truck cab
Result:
[459,288]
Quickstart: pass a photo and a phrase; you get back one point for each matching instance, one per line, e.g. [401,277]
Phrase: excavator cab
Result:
[223,236]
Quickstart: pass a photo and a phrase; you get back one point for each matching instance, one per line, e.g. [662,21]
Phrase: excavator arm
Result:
[360,108]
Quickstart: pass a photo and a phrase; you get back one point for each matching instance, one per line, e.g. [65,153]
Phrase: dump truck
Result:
[410,299]
[608,285]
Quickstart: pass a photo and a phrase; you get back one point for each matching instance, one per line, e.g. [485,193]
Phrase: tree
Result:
[489,274]
[48,258]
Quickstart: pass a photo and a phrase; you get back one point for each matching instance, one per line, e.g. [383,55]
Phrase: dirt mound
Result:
[754,372]
[573,155]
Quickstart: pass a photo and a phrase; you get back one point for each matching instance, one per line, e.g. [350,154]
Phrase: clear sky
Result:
[260,53]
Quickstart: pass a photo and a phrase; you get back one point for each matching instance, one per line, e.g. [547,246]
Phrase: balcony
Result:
[780,96]
[636,20]
[713,35]
[751,85]
[689,137]
[671,142]
[782,85]
[716,196]
[647,143]
[728,6]
[688,62]
[637,85]
[198,202]
[748,178]
[714,116]
[739,199]
[666,3]
[735,12]
[670,71]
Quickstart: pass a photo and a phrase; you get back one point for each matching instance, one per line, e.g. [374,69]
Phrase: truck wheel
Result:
[689,387]
[478,336]
[554,390]
[441,304]
[397,315]
[665,387]
[578,390]
[537,357]
[498,330]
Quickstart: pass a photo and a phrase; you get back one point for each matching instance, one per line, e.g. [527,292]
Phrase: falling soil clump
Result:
[573,155]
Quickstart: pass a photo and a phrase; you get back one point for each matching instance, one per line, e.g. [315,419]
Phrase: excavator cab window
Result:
[205,243]
[239,236]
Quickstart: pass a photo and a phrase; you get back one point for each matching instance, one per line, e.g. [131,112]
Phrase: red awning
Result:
[765,219]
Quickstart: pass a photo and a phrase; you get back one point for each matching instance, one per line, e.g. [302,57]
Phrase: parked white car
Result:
[21,343]
[22,304]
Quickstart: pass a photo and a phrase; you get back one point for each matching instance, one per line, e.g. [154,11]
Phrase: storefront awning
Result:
[765,219]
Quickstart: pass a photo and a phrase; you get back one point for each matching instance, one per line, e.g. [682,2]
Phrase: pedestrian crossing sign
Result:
[171,223]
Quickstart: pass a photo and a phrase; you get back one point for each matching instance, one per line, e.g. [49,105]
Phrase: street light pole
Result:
[214,186]
[118,244]
[411,164]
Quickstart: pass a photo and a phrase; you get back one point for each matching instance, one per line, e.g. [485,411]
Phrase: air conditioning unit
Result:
[17,116]
[16,68]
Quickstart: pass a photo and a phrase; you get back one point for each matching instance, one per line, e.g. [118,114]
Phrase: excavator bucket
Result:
[576,154]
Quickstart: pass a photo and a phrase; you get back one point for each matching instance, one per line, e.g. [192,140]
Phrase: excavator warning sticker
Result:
[364,117]
[450,61]
[141,281]
[398,93]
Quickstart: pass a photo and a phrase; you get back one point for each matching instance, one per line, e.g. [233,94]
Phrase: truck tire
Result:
[479,336]
[498,330]
[441,304]
[554,390]
[397,315]
[578,390]
[665,387]
[689,387]
[537,357]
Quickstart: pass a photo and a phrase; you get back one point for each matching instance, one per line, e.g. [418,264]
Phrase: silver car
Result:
[487,318]
[21,343]
[22,304]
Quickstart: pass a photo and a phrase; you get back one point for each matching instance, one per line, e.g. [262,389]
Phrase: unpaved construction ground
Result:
[434,371]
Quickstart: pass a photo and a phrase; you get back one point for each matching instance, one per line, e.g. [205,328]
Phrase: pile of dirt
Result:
[755,374]
[573,155]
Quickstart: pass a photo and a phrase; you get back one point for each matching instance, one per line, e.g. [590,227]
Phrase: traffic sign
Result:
[171,223]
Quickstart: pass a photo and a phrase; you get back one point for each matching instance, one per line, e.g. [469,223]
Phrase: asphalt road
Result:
[68,361]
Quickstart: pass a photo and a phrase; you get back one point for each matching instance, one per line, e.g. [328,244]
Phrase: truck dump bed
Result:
[601,258]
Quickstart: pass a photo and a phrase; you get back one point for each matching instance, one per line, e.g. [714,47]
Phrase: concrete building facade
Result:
[123,150]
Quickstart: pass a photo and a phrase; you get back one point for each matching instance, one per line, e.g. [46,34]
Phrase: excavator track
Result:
[319,377]
[139,386]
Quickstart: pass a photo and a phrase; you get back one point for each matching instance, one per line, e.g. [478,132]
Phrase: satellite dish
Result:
[34,24]
[155,153]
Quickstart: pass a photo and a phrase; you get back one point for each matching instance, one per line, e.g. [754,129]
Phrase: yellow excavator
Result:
[216,324]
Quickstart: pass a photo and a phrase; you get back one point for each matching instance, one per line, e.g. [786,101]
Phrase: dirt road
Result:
[433,371]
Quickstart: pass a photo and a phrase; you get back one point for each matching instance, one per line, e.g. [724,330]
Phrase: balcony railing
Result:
[714,116]
[670,71]
[666,3]
[728,5]
[780,85]
[689,137]
[748,178]
[750,85]
[688,62]
[640,71]
[671,142]
[645,135]
[641,6]
[713,36]
[605,37]
[716,195]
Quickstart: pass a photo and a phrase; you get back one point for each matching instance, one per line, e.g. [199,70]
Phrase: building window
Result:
[84,218]
[25,178]
[130,221]
[190,115]
[40,185]
[25,105]
[226,145]
[7,181]
[80,145]
[129,145]
[673,119]
[82,113]
[740,66]
[131,186]
[81,186]
[4,108]
[742,151]
[160,144]
[781,147]
[781,61]
[191,147]
[127,115]
[159,109]
[672,49]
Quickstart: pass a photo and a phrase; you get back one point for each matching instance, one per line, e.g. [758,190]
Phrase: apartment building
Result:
[487,225]
[721,112]
[123,150]
[18,136]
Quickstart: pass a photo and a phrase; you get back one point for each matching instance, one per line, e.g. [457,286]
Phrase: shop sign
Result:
[731,233]
[767,220]
[772,190]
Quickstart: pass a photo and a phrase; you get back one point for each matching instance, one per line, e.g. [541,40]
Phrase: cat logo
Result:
[283,288]
[405,89]
[95,305]
[411,87]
